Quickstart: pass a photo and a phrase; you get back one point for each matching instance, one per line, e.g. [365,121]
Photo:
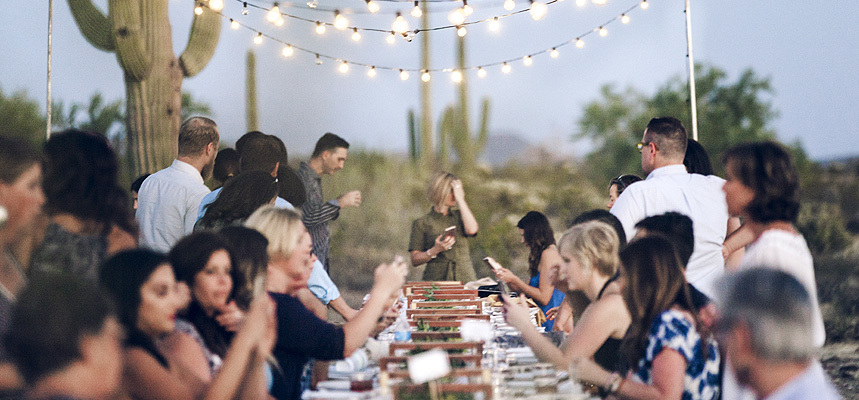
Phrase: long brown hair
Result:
[538,235]
[654,283]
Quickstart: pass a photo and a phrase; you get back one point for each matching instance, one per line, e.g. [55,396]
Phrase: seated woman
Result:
[589,253]
[538,237]
[669,356]
[240,197]
[143,284]
[301,334]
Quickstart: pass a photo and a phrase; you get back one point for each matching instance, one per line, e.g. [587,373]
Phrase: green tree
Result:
[20,116]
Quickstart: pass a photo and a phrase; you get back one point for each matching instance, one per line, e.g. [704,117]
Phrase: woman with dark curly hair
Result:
[240,197]
[617,185]
[763,188]
[538,236]
[89,214]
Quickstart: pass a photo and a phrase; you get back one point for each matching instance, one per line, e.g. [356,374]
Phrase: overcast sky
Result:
[809,49]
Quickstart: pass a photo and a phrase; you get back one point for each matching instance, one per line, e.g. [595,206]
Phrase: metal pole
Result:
[691,71]
[50,45]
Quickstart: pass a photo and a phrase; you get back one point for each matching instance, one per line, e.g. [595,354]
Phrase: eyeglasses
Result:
[641,145]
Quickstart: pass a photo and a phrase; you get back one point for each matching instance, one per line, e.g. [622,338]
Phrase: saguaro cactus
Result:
[413,139]
[138,31]
[251,93]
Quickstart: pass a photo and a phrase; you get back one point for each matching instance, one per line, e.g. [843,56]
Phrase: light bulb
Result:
[509,5]
[506,68]
[340,22]
[400,24]
[599,2]
[581,3]
[258,38]
[273,14]
[343,68]
[404,75]
[198,10]
[245,8]
[356,36]
[371,72]
[313,3]
[391,38]
[481,73]
[624,19]
[527,60]
[456,76]
[580,43]
[466,9]
[417,12]
[554,53]
[603,31]
[456,17]
[494,25]
[216,5]
[317,61]
[538,10]
[287,51]
[320,28]
[644,4]
[425,76]
[279,22]
[461,31]
[234,24]
[372,6]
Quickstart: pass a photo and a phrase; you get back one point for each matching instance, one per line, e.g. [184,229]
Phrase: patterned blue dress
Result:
[671,330]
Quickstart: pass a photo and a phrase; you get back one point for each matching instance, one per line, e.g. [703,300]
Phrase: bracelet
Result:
[432,257]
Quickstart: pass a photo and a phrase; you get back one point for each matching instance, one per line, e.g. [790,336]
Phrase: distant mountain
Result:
[504,147]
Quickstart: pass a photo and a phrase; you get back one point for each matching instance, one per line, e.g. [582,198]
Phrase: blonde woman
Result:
[301,334]
[589,252]
[445,252]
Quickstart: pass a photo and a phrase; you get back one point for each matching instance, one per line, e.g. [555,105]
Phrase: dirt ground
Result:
[841,361]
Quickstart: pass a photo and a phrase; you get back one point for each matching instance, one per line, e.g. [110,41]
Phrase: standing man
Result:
[168,199]
[329,156]
[669,187]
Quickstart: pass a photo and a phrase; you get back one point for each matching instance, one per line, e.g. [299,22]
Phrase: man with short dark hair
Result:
[766,327]
[669,187]
[168,199]
[329,156]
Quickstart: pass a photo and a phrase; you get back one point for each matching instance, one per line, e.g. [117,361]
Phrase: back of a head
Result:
[135,186]
[653,274]
[594,244]
[240,144]
[768,169]
[328,141]
[240,197]
[16,156]
[282,228]
[670,137]
[776,309]
[226,165]
[605,216]
[52,315]
[675,226]
[696,160]
[623,182]
[248,248]
[261,153]
[290,186]
[195,134]
[122,276]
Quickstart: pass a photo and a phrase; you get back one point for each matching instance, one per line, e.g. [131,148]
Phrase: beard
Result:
[206,172]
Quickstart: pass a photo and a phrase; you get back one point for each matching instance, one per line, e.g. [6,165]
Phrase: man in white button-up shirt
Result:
[168,199]
[669,187]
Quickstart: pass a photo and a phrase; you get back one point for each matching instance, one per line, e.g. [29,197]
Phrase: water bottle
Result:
[402,330]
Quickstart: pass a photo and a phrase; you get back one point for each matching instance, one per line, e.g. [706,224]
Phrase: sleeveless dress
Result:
[555,301]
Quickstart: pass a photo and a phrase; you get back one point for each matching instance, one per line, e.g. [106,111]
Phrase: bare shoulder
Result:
[118,240]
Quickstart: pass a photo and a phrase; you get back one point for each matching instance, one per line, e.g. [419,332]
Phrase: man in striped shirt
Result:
[328,157]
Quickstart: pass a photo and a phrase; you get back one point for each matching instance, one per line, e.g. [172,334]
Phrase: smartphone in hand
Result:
[449,232]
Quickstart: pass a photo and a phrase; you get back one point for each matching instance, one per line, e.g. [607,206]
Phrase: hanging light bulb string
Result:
[578,41]
[363,10]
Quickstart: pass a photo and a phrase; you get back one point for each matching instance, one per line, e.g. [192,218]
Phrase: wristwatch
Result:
[431,256]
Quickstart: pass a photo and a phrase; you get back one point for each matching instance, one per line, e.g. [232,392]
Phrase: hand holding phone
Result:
[449,232]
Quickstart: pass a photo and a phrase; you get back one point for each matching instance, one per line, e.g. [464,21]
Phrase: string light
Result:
[312,3]
[599,2]
[554,53]
[425,76]
[603,31]
[371,72]
[404,75]
[456,17]
[318,60]
[279,22]
[400,25]
[461,31]
[580,43]
[320,28]
[287,51]
[391,38]
[466,9]
[216,5]
[624,18]
[356,36]
[340,22]
[234,24]
[456,76]
[372,6]
[416,11]
[245,8]
[527,60]
[509,5]
[494,25]
[644,4]
[537,10]
[273,14]
[481,73]
[506,68]
[581,3]
[343,68]
[258,38]
[198,9]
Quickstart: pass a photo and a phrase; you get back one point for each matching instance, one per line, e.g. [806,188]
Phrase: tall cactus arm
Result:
[93,24]
[483,133]
[202,42]
[133,27]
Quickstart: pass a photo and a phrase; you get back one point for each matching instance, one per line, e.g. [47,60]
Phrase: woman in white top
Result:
[762,187]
